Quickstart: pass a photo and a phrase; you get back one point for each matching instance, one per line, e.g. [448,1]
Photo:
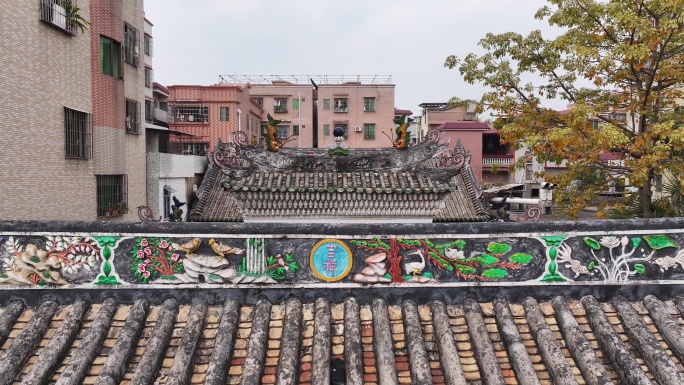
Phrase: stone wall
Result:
[221,255]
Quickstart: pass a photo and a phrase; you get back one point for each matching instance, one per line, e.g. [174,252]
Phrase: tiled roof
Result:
[373,184]
[421,342]
[380,181]
[466,125]
[398,111]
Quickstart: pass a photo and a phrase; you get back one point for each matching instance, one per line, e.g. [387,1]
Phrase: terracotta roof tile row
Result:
[556,342]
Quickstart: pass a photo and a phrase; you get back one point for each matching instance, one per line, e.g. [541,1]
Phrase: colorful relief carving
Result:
[107,274]
[271,135]
[616,264]
[159,258]
[450,256]
[403,136]
[553,242]
[43,262]
[331,260]
[257,268]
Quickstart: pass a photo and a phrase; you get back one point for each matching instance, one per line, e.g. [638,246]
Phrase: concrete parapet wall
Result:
[536,256]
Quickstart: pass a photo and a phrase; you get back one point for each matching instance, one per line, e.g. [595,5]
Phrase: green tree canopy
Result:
[611,58]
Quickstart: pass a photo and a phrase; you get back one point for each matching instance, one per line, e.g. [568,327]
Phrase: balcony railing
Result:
[162,115]
[500,160]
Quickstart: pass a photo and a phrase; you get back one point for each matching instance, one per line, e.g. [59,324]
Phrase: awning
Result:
[507,187]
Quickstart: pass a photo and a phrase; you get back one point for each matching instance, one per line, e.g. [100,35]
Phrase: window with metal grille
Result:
[326,130]
[149,111]
[131,45]
[190,113]
[147,41]
[340,105]
[224,114]
[280,104]
[148,77]
[78,134]
[132,117]
[295,129]
[369,104]
[112,195]
[110,57]
[56,12]
[282,131]
[326,104]
[369,131]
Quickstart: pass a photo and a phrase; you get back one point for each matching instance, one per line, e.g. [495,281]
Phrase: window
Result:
[112,195]
[78,134]
[295,104]
[223,114]
[343,127]
[326,130]
[369,131]
[149,111]
[55,13]
[132,117]
[340,105]
[259,102]
[280,104]
[110,57]
[326,104]
[369,104]
[529,174]
[190,113]
[168,190]
[148,77]
[295,130]
[148,44]
[282,131]
[594,123]
[131,45]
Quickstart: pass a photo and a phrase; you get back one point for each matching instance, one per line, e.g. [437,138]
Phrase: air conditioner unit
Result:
[358,129]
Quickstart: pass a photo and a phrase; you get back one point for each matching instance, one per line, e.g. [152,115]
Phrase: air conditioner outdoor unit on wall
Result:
[358,129]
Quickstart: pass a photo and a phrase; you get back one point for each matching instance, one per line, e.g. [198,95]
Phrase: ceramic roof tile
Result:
[375,342]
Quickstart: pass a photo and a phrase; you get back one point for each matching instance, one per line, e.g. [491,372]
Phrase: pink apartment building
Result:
[210,113]
[490,160]
[309,109]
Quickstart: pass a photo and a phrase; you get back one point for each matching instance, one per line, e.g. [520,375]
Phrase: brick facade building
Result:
[75,145]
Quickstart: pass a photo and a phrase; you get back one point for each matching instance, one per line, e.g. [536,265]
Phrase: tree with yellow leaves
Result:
[611,56]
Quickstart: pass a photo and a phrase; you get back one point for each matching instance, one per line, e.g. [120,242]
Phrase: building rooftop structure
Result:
[306,79]
[419,184]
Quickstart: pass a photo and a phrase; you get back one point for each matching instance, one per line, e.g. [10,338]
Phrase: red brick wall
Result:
[108,92]
[214,97]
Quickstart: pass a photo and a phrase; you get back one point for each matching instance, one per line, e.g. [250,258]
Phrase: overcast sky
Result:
[195,42]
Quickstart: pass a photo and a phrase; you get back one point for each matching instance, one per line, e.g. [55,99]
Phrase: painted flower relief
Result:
[155,257]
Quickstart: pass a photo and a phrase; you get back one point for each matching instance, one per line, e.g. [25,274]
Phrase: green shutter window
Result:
[295,104]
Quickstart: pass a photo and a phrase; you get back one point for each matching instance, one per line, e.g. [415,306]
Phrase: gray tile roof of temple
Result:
[422,341]
[372,183]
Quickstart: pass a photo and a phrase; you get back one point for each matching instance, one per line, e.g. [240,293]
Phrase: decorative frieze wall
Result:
[101,254]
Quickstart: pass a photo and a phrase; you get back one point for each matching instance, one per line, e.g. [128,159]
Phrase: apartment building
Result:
[309,108]
[209,113]
[74,145]
[491,161]
[173,169]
